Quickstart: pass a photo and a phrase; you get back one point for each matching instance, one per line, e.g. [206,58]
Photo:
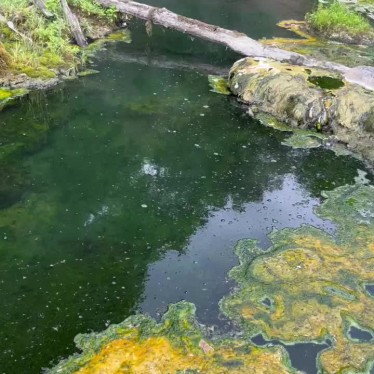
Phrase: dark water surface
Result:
[129,189]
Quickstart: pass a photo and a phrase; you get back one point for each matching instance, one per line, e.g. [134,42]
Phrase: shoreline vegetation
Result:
[37,44]
[339,22]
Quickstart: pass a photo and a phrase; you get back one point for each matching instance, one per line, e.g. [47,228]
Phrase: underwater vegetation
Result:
[308,286]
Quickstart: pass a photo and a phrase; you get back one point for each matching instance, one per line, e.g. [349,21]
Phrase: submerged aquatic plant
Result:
[302,140]
[314,284]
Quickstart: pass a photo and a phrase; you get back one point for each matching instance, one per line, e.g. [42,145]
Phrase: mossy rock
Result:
[312,99]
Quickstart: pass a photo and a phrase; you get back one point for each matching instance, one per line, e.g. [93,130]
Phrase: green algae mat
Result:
[308,286]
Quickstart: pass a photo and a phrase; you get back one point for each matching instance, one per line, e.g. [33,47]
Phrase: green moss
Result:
[219,84]
[337,18]
[8,97]
[271,121]
[119,36]
[92,8]
[51,45]
[5,94]
[37,72]
[87,72]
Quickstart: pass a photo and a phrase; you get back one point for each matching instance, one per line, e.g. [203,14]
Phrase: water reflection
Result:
[200,274]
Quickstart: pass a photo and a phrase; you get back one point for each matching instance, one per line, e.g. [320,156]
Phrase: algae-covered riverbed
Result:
[127,190]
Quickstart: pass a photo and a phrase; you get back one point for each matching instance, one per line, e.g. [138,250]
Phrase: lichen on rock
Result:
[315,283]
[176,345]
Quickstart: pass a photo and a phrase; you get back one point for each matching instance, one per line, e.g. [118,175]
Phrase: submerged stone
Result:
[87,72]
[316,282]
[139,345]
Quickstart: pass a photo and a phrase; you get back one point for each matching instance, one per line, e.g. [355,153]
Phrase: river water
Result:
[130,188]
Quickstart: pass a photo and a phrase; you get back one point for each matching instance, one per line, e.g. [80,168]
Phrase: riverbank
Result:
[37,48]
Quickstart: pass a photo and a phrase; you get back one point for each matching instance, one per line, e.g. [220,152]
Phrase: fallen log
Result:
[74,25]
[234,40]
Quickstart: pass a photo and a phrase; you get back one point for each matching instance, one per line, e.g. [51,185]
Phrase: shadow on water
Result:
[127,190]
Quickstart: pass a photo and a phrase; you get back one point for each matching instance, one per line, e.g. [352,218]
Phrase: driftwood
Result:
[40,4]
[234,40]
[74,25]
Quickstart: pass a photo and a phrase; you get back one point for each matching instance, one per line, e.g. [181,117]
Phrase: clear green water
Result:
[128,190]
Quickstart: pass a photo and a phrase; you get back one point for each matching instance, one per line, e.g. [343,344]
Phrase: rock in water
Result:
[300,98]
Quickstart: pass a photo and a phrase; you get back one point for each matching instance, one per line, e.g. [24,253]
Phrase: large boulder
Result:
[309,99]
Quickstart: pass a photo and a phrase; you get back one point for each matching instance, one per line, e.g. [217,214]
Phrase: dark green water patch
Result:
[325,82]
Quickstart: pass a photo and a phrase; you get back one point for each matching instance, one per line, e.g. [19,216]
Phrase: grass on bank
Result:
[51,46]
[338,18]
